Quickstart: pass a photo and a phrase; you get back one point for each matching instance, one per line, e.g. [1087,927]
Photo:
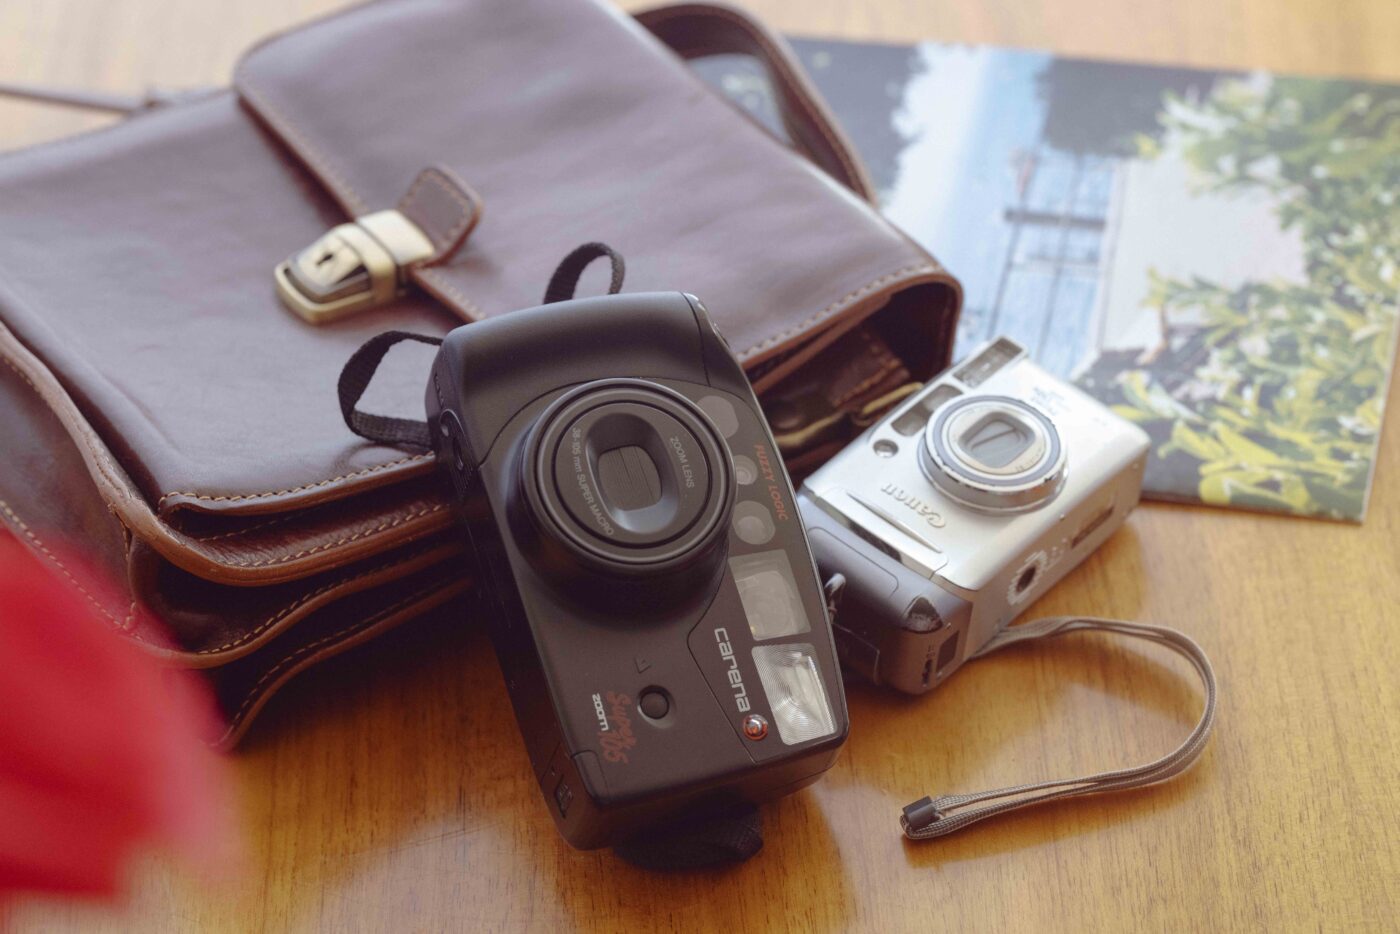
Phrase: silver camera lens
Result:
[993,453]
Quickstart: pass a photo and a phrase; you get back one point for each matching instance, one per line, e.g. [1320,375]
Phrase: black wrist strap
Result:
[355,379]
[564,282]
[359,370]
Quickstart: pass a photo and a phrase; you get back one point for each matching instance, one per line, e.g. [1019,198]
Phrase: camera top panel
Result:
[503,363]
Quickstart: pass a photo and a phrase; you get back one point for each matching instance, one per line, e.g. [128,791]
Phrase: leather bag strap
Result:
[99,100]
[698,30]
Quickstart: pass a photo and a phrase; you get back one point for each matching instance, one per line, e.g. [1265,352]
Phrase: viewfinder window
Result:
[981,368]
[913,421]
[768,591]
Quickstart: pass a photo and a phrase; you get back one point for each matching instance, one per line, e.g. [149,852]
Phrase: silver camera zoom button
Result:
[993,452]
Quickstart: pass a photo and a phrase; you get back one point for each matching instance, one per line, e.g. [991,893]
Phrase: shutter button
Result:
[654,704]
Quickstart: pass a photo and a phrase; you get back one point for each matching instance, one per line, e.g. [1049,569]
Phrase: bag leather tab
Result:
[366,263]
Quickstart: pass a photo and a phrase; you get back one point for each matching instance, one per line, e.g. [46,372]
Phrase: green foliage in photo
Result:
[1272,391]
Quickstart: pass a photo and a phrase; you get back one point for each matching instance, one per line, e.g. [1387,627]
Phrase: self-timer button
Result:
[654,704]
[755,727]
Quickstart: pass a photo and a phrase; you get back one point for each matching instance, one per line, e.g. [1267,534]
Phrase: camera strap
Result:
[359,370]
[354,380]
[935,817]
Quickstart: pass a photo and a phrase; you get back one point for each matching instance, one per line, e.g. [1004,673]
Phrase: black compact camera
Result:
[657,611]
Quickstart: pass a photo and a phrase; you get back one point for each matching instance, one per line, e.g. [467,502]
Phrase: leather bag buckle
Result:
[352,267]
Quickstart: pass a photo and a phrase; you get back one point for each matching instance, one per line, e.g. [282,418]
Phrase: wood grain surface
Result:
[389,791]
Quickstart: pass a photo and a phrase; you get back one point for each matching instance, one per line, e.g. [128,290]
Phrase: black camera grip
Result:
[698,842]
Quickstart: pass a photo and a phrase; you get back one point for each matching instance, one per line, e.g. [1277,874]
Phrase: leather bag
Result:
[168,402]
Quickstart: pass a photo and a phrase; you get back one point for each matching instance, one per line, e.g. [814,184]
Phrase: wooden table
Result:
[389,790]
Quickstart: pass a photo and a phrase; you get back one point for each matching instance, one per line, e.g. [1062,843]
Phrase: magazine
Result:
[1216,255]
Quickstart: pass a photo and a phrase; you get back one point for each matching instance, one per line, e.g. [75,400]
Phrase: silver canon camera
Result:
[969,500]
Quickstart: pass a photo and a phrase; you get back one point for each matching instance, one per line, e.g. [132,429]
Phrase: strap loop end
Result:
[920,814]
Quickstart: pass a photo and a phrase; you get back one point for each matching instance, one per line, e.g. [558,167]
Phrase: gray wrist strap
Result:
[934,817]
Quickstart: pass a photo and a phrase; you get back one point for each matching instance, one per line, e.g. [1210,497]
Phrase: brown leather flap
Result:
[165,410]
[136,291]
[574,124]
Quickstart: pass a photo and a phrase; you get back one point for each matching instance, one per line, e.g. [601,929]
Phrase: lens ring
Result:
[958,475]
[552,518]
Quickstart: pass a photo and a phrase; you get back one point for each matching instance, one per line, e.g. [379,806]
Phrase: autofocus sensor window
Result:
[745,470]
[753,523]
[722,413]
[768,591]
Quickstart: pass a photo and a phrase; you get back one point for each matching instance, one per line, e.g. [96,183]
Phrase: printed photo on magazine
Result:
[1215,255]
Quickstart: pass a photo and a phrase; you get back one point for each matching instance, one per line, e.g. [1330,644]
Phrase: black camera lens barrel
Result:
[628,476]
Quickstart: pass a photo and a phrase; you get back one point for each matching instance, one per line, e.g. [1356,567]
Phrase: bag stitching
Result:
[276,669]
[887,367]
[886,362]
[345,540]
[240,497]
[125,625]
[396,521]
[775,55]
[837,305]
[100,457]
[308,152]
[248,530]
[301,602]
[447,185]
[318,162]
[435,276]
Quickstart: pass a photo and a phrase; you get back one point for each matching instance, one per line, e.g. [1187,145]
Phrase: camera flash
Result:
[793,684]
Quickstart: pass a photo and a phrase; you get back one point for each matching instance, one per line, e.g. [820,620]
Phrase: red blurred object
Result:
[101,748]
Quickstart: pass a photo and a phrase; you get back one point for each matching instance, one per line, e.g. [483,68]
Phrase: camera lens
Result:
[993,452]
[628,475]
